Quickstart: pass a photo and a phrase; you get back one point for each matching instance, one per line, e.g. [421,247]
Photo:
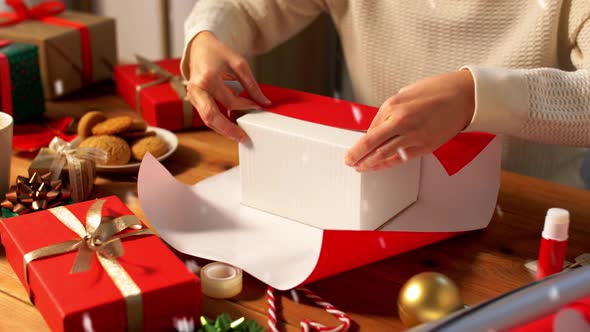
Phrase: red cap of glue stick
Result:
[553,242]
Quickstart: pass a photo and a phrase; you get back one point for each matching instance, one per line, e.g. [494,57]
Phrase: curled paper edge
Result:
[277,251]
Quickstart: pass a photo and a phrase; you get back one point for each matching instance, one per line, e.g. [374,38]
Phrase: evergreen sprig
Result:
[224,323]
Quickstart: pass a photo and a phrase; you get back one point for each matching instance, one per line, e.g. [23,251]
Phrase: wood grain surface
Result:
[483,263]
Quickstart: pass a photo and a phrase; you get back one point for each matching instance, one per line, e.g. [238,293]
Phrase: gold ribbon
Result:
[66,154]
[163,76]
[98,238]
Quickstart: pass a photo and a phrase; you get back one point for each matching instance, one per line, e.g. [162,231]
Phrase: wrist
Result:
[202,37]
[205,34]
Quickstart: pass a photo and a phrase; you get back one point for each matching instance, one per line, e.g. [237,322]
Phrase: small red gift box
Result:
[161,103]
[158,288]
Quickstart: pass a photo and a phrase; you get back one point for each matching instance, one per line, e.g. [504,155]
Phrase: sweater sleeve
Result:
[544,105]
[249,26]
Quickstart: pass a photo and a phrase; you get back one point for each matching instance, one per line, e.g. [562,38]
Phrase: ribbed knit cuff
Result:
[501,99]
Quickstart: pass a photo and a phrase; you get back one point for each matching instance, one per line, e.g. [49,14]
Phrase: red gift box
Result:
[160,105]
[168,290]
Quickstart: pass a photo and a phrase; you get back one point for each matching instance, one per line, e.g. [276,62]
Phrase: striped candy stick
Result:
[308,325]
[272,310]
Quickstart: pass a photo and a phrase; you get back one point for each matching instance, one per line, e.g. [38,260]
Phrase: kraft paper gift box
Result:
[146,288]
[75,49]
[45,158]
[457,192]
[82,174]
[21,92]
[73,165]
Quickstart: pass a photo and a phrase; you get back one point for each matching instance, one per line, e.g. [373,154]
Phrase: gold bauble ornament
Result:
[426,297]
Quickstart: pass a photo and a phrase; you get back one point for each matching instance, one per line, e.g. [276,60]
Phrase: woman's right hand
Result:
[211,62]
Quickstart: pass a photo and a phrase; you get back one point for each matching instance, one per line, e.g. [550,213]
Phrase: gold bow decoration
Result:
[101,239]
[177,83]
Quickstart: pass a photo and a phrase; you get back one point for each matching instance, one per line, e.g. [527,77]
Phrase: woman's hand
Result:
[416,121]
[211,62]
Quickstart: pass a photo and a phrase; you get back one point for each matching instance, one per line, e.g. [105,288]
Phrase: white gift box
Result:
[295,169]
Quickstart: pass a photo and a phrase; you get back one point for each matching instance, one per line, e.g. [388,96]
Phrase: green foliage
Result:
[223,323]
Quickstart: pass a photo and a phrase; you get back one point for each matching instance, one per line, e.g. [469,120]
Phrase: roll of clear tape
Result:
[220,280]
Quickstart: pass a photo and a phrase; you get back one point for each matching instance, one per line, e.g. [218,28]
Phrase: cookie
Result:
[117,149]
[138,125]
[88,121]
[113,126]
[136,134]
[154,145]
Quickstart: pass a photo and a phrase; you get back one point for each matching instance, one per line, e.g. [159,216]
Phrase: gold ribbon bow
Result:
[162,76]
[100,239]
[66,154]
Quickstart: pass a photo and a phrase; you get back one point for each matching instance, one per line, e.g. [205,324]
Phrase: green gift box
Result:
[21,92]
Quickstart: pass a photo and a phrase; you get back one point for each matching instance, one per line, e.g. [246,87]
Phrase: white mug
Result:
[5,152]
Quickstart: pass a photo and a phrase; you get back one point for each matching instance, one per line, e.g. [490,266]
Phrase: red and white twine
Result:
[306,324]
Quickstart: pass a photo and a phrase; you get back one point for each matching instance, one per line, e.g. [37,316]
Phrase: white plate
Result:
[168,136]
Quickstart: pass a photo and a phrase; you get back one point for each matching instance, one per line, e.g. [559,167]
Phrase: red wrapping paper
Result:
[335,258]
[168,288]
[160,105]
[34,136]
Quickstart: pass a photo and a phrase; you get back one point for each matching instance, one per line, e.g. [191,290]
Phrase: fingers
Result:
[211,116]
[388,163]
[395,146]
[225,96]
[398,158]
[210,63]
[383,112]
[386,109]
[244,74]
[369,142]
[377,120]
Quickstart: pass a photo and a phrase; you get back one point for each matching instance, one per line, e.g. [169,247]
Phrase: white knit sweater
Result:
[510,46]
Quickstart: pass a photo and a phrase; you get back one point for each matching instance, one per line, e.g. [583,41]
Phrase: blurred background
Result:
[154,29]
[312,61]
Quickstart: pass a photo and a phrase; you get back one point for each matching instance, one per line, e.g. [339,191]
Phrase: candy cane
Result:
[272,310]
[309,325]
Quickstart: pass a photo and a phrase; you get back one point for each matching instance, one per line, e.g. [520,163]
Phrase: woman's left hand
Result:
[416,121]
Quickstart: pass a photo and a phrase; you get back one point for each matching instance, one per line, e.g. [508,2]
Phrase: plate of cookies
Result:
[125,139]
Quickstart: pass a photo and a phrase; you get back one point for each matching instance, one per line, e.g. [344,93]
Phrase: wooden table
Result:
[483,263]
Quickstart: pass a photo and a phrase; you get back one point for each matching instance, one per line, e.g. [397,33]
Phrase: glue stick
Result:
[553,242]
